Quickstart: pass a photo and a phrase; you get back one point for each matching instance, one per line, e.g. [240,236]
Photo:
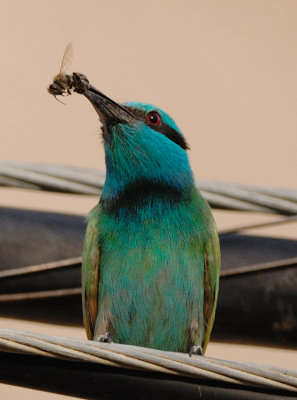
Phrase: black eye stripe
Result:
[171,134]
[166,130]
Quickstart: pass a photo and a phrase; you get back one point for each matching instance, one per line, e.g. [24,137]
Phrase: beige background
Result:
[225,70]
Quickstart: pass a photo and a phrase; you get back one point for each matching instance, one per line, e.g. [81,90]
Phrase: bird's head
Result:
[142,143]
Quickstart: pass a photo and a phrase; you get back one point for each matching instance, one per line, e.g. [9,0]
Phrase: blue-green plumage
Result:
[151,257]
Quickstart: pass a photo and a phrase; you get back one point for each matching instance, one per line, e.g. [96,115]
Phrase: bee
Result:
[63,82]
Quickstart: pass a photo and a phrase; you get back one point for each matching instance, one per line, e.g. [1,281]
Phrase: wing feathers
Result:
[90,273]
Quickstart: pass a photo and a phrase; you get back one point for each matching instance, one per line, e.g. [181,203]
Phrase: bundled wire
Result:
[87,181]
[146,359]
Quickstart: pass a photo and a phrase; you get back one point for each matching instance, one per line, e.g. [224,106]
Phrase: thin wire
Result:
[42,294]
[285,220]
[31,269]
[75,262]
[268,266]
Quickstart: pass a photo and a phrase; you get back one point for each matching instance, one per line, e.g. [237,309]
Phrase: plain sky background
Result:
[225,70]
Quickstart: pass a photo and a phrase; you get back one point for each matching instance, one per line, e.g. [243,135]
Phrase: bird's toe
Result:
[106,338]
[195,350]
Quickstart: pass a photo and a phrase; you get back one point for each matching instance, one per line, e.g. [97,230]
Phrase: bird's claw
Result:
[195,350]
[106,338]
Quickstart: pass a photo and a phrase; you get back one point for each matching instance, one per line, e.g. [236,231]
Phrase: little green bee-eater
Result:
[151,255]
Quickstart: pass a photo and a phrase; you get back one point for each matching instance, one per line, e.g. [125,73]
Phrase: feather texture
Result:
[151,256]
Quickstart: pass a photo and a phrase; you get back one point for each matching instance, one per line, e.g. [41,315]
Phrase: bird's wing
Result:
[90,272]
[212,261]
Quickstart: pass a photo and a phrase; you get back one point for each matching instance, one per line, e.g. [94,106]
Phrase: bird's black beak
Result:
[110,112]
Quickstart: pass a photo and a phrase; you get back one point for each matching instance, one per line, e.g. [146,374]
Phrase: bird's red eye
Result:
[153,118]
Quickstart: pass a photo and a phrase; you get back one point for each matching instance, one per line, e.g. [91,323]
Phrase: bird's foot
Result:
[106,338]
[195,350]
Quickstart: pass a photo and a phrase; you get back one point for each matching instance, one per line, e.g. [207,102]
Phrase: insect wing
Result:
[67,59]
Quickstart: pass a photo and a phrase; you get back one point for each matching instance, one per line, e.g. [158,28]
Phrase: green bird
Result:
[151,257]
